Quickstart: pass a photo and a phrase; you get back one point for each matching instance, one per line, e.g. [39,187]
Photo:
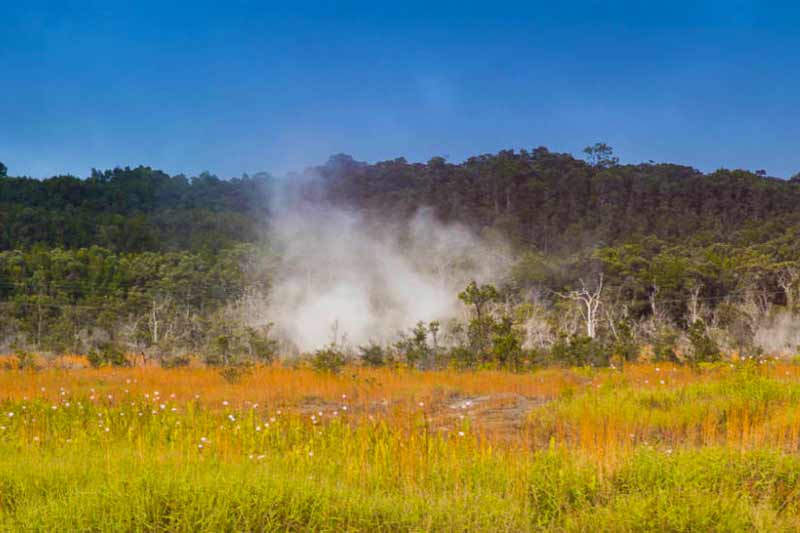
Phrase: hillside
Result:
[152,262]
[537,198]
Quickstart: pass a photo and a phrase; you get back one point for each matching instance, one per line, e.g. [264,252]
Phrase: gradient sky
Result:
[240,86]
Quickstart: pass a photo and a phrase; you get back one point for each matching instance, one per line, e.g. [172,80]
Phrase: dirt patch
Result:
[315,406]
[501,414]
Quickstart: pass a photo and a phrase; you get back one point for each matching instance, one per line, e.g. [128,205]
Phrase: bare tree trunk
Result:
[611,325]
[39,322]
[154,323]
[694,304]
[653,295]
[590,301]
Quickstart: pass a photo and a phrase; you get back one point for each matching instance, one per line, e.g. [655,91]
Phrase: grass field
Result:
[645,448]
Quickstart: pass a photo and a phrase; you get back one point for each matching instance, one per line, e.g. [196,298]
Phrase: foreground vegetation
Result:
[643,448]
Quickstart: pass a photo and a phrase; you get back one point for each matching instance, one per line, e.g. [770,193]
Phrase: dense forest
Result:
[611,261]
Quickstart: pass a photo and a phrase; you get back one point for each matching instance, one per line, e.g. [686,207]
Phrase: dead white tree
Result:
[615,310]
[653,294]
[694,303]
[590,301]
[157,318]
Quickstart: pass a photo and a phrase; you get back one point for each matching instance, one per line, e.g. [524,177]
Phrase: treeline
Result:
[555,203]
[541,200]
[625,261]
[132,210]
[152,304]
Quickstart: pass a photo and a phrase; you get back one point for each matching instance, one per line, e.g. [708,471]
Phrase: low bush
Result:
[329,359]
[107,354]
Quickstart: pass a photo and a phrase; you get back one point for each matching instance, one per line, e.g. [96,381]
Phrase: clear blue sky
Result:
[239,86]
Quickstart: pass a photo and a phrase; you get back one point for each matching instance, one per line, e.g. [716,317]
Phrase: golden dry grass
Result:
[646,447]
[593,409]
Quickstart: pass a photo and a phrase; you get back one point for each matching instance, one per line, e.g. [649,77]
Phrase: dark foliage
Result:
[153,257]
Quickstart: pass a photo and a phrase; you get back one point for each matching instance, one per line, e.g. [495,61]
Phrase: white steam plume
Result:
[369,279]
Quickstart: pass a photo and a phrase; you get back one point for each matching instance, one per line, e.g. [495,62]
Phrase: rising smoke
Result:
[343,275]
[779,334]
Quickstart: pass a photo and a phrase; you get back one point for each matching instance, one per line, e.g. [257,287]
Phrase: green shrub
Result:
[233,373]
[704,348]
[506,345]
[176,361]
[261,346]
[26,360]
[107,354]
[664,345]
[329,359]
[373,355]
[462,357]
[415,347]
[625,345]
[579,350]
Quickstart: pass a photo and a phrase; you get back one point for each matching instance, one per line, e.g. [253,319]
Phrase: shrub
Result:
[415,347]
[176,361]
[234,373]
[462,357]
[329,359]
[107,354]
[664,345]
[506,346]
[372,355]
[625,345]
[260,345]
[221,350]
[704,348]
[579,350]
[26,360]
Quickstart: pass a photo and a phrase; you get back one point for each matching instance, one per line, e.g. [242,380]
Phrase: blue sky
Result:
[240,86]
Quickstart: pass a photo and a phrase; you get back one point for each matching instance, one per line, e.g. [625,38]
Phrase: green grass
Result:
[702,490]
[103,466]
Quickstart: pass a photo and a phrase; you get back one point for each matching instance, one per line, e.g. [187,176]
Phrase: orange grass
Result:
[276,385]
[600,411]
[554,448]
[280,384]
